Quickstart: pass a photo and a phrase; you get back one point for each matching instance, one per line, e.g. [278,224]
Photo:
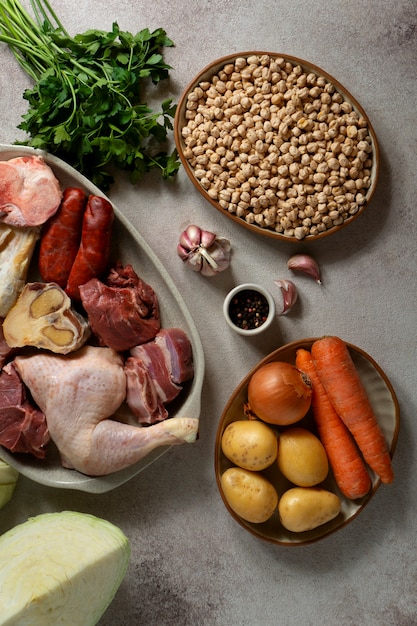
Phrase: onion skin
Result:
[278,393]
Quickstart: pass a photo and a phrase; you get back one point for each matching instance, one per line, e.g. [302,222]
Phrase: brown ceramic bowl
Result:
[277,196]
[385,405]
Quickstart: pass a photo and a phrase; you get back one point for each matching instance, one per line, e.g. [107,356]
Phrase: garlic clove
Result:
[306,264]
[194,236]
[191,237]
[289,294]
[207,238]
[194,260]
[182,252]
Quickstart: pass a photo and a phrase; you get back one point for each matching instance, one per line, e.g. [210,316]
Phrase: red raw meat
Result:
[23,427]
[158,368]
[154,373]
[142,396]
[123,311]
[175,344]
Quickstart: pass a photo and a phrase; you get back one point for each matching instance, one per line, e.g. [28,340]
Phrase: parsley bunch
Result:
[86,103]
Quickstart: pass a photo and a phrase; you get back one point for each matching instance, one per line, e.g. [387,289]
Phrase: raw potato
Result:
[250,444]
[249,494]
[302,457]
[305,508]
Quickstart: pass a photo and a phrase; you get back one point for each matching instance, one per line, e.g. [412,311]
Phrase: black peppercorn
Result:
[248,309]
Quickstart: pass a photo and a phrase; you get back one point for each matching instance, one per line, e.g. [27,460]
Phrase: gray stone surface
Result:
[191,563]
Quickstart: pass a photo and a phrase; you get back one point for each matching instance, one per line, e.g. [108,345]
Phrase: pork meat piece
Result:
[79,393]
[177,349]
[154,373]
[158,366]
[123,310]
[142,393]
[23,427]
[29,191]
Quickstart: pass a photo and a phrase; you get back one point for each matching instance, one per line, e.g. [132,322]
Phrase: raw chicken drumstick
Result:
[77,393]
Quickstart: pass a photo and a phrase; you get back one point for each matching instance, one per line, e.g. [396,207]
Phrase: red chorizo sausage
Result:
[94,251]
[61,237]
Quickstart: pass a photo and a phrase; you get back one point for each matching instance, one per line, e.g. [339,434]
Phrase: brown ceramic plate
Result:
[128,247]
[385,405]
[181,121]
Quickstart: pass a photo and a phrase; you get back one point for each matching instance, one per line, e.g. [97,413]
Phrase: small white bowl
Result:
[269,304]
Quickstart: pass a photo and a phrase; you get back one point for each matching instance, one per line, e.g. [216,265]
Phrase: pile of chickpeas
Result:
[277,146]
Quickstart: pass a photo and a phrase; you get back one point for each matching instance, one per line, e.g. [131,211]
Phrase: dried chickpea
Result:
[279,146]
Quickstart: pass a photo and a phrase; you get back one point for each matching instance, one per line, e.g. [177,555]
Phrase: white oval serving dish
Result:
[128,247]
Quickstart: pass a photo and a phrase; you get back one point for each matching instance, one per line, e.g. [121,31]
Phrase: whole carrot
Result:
[347,465]
[344,387]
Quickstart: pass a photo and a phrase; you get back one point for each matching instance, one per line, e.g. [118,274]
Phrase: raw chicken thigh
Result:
[29,191]
[78,393]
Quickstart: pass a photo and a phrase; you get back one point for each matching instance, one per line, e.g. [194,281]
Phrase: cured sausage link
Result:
[61,237]
[94,251]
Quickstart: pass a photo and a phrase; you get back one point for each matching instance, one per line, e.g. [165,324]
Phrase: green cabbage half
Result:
[60,569]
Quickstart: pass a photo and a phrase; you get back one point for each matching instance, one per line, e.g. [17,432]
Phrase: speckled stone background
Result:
[191,563]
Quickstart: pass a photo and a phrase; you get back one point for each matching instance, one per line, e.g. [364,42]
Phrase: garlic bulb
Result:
[203,251]
[306,264]
[289,294]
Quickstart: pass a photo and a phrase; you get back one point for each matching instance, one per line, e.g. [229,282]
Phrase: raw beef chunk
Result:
[23,427]
[123,311]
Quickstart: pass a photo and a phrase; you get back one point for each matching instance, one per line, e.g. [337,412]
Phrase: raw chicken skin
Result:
[77,393]
[29,191]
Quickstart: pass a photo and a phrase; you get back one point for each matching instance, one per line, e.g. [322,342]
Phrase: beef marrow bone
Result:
[43,317]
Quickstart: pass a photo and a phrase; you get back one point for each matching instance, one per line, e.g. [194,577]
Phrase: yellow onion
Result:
[278,393]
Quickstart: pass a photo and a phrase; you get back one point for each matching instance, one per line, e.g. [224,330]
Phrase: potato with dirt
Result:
[249,494]
[250,444]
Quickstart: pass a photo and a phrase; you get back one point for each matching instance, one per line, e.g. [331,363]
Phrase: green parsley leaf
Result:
[86,104]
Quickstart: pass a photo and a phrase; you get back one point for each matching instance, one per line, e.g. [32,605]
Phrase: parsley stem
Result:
[38,8]
[22,33]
